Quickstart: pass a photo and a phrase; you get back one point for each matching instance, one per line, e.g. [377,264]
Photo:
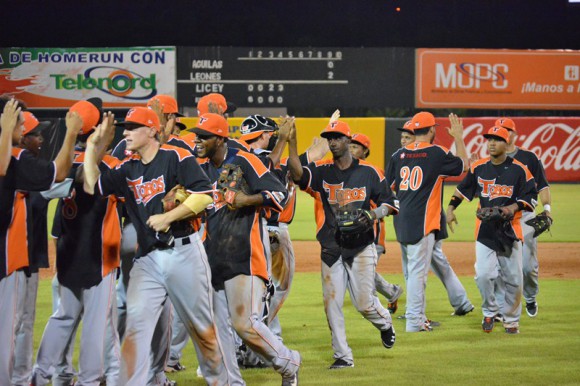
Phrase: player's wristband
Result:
[521,205]
[455,202]
[381,212]
[547,208]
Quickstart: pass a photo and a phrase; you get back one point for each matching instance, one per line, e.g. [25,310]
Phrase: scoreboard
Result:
[330,77]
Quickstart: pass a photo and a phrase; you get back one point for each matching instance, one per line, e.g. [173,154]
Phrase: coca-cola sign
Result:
[556,141]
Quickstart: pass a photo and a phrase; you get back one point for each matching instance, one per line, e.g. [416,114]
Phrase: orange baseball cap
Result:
[506,123]
[218,99]
[362,140]
[212,124]
[498,132]
[141,116]
[338,127]
[422,120]
[32,124]
[90,111]
[168,102]
[406,127]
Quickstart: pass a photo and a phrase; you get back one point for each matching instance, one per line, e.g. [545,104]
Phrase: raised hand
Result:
[10,116]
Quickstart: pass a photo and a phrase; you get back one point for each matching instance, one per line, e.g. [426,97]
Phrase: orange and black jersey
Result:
[38,243]
[186,142]
[144,185]
[25,173]
[233,238]
[416,173]
[88,232]
[282,172]
[337,190]
[534,165]
[498,185]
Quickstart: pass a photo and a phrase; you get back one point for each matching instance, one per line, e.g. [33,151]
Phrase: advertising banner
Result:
[58,77]
[309,128]
[555,140]
[502,79]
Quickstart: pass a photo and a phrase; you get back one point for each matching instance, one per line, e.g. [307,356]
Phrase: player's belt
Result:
[183,241]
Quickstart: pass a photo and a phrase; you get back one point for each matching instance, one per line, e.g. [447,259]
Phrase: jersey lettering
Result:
[497,191]
[411,178]
[485,186]
[145,191]
[338,195]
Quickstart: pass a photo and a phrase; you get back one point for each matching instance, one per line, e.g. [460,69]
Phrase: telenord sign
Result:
[502,79]
[58,77]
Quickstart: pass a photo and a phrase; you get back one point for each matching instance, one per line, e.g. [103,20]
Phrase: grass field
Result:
[457,353]
[565,210]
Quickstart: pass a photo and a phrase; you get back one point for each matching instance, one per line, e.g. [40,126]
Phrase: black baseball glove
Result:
[230,182]
[359,221]
[494,214]
[541,223]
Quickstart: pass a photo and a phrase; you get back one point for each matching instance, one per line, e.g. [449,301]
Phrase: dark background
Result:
[513,24]
[355,23]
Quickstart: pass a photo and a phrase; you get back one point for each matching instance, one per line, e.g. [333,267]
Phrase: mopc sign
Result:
[555,140]
[121,77]
[497,79]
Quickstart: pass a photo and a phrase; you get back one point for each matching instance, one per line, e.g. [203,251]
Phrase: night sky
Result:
[550,24]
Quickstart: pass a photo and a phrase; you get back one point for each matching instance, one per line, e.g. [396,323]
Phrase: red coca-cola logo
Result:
[556,141]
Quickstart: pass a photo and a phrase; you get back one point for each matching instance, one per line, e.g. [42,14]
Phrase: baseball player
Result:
[530,261]
[21,171]
[38,257]
[504,182]
[360,147]
[235,240]
[88,233]
[343,184]
[170,261]
[416,173]
[439,263]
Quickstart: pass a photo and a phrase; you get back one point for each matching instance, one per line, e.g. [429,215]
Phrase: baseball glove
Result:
[494,214]
[174,198]
[359,221]
[540,223]
[230,182]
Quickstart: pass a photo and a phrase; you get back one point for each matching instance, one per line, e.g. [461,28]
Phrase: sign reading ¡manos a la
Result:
[55,77]
[513,79]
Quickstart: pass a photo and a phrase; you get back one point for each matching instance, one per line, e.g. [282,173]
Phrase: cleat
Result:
[388,337]
[512,330]
[174,368]
[432,323]
[532,309]
[340,364]
[291,380]
[487,324]
[463,312]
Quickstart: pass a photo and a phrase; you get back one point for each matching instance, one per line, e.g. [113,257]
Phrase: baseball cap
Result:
[141,116]
[218,99]
[498,132]
[338,127]
[90,111]
[254,125]
[362,140]
[212,124]
[506,123]
[180,124]
[422,120]
[31,124]
[168,102]
[406,127]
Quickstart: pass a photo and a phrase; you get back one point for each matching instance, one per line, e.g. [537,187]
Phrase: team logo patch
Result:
[202,120]
[145,191]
